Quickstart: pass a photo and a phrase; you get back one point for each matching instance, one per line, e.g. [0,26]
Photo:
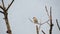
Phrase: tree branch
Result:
[9,5]
[45,22]
[57,24]
[43,32]
[47,11]
[3,4]
[1,7]
[6,16]
[1,12]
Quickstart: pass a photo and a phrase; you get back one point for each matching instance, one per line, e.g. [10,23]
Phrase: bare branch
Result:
[47,11]
[1,7]
[51,11]
[9,5]
[51,25]
[57,24]
[6,16]
[43,32]
[45,22]
[3,4]
[1,12]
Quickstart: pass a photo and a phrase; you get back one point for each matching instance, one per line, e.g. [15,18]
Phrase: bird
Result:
[35,20]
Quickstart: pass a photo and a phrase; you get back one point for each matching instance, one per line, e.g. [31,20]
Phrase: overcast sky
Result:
[21,10]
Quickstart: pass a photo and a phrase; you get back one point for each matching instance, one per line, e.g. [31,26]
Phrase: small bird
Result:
[35,20]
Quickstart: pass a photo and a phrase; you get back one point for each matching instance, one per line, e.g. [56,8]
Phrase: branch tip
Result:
[9,5]
[57,24]
[43,32]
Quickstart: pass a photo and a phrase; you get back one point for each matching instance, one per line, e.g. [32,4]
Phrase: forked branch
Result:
[50,18]
[1,12]
[3,4]
[1,7]
[6,16]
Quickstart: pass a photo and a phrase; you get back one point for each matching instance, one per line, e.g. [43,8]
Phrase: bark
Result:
[7,23]
[37,30]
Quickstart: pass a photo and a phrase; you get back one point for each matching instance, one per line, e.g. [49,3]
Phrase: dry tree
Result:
[5,13]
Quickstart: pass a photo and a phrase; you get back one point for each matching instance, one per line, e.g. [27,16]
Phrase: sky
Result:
[21,10]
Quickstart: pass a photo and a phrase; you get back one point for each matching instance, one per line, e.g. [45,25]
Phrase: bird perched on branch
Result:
[35,20]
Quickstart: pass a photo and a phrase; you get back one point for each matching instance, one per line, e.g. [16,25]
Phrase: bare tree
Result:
[5,13]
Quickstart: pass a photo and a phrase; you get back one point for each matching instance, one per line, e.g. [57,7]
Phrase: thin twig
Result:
[3,4]
[9,5]
[1,12]
[43,32]
[1,7]
[57,24]
[46,10]
[45,22]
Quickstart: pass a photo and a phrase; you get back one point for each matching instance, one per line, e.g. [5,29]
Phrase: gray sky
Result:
[21,10]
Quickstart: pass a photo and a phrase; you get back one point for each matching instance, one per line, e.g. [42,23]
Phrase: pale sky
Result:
[21,10]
